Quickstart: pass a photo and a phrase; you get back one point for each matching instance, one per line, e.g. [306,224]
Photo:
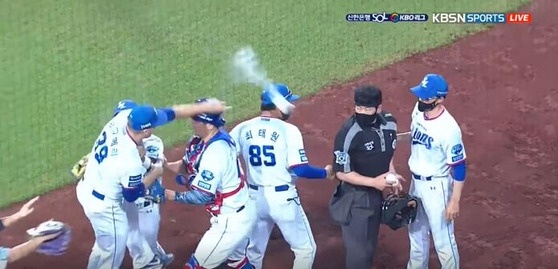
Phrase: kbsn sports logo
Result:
[386,17]
[456,17]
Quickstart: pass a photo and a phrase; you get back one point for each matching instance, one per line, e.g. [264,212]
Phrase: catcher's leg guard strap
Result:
[193,264]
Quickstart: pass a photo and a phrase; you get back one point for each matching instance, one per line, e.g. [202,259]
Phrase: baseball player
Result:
[142,239]
[436,149]
[273,151]
[115,172]
[217,181]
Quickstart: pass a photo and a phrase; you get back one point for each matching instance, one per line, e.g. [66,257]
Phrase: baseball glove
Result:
[399,210]
[79,168]
[155,193]
[56,246]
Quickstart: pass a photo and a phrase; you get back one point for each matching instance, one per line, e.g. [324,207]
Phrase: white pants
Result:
[137,243]
[110,225]
[431,219]
[282,208]
[149,219]
[227,233]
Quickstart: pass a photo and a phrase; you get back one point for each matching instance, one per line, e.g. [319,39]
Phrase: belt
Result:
[238,210]
[144,204]
[277,188]
[418,177]
[98,195]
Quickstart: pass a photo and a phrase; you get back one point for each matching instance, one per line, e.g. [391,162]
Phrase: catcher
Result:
[49,238]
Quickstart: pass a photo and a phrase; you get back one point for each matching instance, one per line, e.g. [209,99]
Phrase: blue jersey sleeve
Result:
[309,171]
[459,171]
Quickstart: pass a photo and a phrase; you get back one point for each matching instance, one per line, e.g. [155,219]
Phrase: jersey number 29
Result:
[256,151]
[103,151]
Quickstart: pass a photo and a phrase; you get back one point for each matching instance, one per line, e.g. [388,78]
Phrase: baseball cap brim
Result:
[293,98]
[161,119]
[422,92]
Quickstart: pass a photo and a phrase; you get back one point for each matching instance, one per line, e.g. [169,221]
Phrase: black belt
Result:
[277,188]
[418,177]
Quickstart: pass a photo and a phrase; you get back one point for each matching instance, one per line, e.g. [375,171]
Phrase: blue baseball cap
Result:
[216,120]
[145,117]
[433,85]
[283,90]
[123,105]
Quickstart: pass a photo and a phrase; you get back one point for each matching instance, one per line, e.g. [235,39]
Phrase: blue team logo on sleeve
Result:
[207,175]
[134,181]
[302,154]
[457,153]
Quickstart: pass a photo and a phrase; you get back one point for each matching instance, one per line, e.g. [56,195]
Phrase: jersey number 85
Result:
[256,153]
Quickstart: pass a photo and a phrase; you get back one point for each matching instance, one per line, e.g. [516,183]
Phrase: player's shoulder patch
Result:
[204,185]
[207,175]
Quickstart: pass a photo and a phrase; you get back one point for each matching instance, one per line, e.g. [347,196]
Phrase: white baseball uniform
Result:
[436,145]
[219,173]
[114,163]
[270,147]
[143,215]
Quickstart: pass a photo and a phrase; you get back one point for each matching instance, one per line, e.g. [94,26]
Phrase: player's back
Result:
[263,144]
[110,158]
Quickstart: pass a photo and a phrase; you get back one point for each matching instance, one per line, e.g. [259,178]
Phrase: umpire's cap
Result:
[432,85]
[216,120]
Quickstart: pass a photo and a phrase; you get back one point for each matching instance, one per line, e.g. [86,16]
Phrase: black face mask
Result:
[366,120]
[424,107]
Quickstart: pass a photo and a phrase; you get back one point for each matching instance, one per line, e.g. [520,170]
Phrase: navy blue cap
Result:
[145,117]
[283,90]
[433,85]
[123,105]
[216,120]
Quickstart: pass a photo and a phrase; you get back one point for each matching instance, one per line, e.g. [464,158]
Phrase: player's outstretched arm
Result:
[404,137]
[185,111]
[23,212]
[28,247]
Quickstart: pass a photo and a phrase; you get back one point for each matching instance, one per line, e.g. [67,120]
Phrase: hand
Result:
[44,238]
[452,211]
[27,208]
[380,182]
[213,105]
[157,169]
[329,172]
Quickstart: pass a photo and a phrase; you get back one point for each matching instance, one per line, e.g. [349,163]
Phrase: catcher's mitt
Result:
[79,168]
[155,193]
[56,246]
[399,210]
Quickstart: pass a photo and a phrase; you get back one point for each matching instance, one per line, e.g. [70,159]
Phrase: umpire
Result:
[363,152]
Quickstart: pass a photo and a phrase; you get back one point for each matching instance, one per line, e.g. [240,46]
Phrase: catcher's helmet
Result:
[216,120]
[399,210]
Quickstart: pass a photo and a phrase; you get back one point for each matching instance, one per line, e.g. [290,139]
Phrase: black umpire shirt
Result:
[367,151]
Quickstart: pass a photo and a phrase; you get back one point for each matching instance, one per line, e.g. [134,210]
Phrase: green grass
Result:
[66,63]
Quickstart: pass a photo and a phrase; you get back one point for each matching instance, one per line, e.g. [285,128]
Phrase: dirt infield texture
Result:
[504,94]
